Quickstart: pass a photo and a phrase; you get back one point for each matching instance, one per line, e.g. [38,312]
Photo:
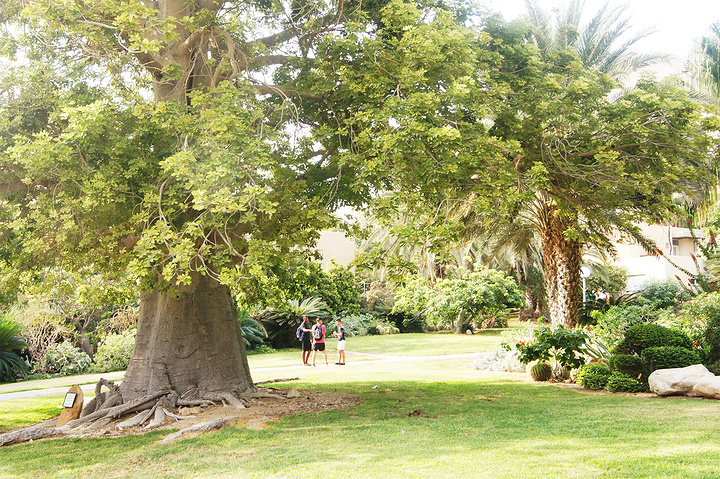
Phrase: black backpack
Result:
[317,332]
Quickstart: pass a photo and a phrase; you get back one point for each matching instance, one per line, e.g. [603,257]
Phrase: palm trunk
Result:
[562,257]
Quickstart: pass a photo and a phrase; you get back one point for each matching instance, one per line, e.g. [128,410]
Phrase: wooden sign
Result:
[72,406]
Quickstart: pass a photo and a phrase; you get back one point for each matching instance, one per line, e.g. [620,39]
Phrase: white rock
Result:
[708,387]
[677,381]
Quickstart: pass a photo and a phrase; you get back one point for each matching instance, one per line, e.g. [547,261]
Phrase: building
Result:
[678,249]
[335,246]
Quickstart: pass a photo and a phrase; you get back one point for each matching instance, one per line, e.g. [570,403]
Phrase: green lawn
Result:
[473,424]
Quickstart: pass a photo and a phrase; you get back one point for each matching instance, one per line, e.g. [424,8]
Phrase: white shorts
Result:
[341,345]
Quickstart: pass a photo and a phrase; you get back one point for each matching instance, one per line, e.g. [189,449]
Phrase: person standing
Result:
[318,334]
[305,335]
[340,334]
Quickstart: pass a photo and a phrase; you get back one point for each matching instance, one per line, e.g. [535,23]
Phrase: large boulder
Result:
[678,381]
[708,387]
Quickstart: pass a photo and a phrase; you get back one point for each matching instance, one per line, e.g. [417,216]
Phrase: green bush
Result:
[668,357]
[663,294]
[11,365]
[610,325]
[627,363]
[695,316]
[564,346]
[619,382]
[643,336]
[478,295]
[363,324]
[64,359]
[593,376]
[114,352]
[712,342]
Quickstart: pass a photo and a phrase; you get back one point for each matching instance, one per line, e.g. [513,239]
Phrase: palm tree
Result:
[704,65]
[605,42]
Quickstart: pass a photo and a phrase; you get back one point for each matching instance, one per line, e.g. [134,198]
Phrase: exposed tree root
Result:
[202,427]
[151,411]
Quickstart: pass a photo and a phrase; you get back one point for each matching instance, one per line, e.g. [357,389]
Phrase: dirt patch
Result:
[595,392]
[260,412]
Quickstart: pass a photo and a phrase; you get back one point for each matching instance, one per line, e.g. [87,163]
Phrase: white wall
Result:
[334,245]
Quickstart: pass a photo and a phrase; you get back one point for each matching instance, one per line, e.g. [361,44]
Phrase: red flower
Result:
[688,222]
[696,343]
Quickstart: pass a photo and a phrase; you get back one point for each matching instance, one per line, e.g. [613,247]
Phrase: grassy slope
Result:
[473,425]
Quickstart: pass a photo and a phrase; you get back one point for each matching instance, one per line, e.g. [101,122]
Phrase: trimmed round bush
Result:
[115,352]
[668,357]
[627,363]
[621,383]
[651,335]
[593,376]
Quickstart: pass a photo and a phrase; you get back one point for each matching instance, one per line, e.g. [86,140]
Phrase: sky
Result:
[677,23]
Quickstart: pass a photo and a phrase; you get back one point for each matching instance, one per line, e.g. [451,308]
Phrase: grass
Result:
[472,424]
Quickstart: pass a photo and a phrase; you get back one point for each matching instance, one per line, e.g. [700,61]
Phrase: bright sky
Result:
[677,23]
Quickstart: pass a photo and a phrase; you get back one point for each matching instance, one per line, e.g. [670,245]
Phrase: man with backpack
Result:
[304,334]
[318,334]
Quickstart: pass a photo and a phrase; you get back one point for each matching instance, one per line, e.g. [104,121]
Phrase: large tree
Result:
[535,130]
[183,142]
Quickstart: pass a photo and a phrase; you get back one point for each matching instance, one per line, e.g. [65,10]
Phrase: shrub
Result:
[619,382]
[363,324]
[662,294]
[564,346]
[64,359]
[114,352]
[642,336]
[253,332]
[712,341]
[695,316]
[627,363]
[281,323]
[11,365]
[612,324]
[477,296]
[593,376]
[667,357]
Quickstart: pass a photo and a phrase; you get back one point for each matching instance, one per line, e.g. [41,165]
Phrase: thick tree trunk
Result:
[562,257]
[188,341]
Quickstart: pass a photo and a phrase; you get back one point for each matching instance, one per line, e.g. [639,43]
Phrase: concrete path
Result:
[44,387]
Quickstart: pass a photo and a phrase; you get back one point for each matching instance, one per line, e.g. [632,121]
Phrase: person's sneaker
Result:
[338,364]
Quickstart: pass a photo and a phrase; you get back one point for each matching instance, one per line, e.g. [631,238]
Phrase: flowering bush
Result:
[564,346]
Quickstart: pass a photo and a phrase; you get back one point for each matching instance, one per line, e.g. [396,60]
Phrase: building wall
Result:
[334,245]
[677,245]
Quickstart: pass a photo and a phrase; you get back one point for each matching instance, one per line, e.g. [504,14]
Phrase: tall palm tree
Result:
[704,65]
[605,42]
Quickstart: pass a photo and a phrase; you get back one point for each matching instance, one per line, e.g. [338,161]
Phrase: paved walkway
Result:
[44,387]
